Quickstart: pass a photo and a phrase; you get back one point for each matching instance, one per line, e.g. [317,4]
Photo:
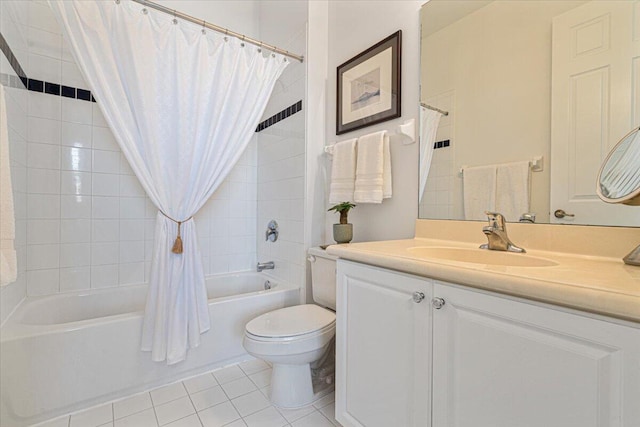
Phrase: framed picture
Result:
[369,86]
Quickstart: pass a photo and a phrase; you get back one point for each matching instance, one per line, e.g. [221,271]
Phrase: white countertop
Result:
[598,284]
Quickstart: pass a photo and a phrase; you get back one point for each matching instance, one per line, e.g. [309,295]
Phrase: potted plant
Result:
[342,232]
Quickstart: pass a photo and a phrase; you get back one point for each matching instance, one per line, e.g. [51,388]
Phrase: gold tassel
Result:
[177,245]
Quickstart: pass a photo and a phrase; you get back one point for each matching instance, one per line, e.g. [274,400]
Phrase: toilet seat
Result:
[300,321]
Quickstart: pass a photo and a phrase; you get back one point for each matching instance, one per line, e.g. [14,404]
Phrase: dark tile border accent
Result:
[287,112]
[36,85]
[441,144]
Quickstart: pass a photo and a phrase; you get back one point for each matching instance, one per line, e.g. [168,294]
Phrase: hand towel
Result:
[343,172]
[373,170]
[8,264]
[513,189]
[479,191]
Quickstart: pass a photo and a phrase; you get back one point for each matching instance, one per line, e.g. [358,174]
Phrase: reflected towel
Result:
[513,189]
[8,264]
[373,170]
[479,188]
[343,172]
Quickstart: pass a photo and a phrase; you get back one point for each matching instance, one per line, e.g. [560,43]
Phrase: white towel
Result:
[8,264]
[343,172]
[373,171]
[479,188]
[513,189]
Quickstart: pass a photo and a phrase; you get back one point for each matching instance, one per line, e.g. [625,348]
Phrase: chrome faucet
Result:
[265,266]
[496,233]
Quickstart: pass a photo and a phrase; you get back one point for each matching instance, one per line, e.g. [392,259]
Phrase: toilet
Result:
[292,339]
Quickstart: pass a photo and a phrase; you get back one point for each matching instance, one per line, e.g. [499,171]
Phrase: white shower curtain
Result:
[429,121]
[182,104]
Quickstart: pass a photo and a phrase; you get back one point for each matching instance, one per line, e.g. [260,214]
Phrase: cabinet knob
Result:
[418,297]
[437,303]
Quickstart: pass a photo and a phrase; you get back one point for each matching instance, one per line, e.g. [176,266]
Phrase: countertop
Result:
[597,284]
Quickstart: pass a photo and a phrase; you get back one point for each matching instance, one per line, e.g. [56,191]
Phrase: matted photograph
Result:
[369,86]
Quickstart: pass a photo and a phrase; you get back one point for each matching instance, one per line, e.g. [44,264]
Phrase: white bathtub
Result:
[65,352]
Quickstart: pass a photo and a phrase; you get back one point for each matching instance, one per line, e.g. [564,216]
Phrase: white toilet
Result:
[292,338]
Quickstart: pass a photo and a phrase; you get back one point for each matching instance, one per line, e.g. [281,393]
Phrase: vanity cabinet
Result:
[382,347]
[476,358]
[498,361]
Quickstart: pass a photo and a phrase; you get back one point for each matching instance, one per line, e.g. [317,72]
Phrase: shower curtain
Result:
[429,121]
[183,104]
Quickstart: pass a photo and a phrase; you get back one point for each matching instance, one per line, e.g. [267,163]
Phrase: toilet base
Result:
[291,385]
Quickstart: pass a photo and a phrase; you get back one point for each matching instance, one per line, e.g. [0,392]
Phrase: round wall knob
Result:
[437,303]
[418,297]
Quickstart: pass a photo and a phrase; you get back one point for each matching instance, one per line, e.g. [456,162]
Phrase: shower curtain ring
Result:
[260,47]
[242,44]
[175,20]
[204,26]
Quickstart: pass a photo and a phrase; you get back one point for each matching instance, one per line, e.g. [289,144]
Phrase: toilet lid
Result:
[291,321]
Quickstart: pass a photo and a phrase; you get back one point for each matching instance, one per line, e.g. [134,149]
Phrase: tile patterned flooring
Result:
[234,396]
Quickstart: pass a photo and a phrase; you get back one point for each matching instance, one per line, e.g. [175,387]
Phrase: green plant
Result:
[343,208]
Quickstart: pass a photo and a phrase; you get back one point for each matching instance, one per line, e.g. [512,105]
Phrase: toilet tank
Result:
[323,277]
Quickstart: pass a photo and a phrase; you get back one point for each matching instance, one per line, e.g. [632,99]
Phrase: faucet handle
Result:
[496,219]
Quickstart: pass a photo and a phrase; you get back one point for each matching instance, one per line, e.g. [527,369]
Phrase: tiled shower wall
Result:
[16,104]
[88,222]
[281,173]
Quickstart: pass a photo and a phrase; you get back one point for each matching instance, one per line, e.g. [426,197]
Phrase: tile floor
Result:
[234,396]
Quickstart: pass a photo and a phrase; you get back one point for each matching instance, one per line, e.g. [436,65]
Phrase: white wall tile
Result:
[75,231]
[76,183]
[104,276]
[42,231]
[76,135]
[75,255]
[76,159]
[43,156]
[45,131]
[43,181]
[76,111]
[43,282]
[76,278]
[75,207]
[106,161]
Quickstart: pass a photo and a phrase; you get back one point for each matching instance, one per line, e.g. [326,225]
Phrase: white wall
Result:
[353,26]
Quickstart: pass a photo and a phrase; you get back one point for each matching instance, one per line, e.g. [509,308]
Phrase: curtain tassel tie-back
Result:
[177,245]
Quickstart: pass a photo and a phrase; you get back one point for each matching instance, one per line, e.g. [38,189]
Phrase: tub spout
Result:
[265,266]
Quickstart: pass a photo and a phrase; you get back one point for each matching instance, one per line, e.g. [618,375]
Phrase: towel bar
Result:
[536,164]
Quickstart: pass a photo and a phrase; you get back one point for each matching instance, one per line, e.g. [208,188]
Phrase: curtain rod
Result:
[219,29]
[444,113]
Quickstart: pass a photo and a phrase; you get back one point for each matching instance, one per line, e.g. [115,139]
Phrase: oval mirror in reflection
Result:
[619,177]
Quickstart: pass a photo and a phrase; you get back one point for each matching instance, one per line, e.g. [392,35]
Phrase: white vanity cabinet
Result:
[383,353]
[479,360]
[498,361]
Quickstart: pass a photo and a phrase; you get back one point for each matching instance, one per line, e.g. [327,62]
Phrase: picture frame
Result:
[369,86]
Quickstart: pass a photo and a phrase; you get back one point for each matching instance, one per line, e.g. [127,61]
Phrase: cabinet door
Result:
[499,362]
[382,348]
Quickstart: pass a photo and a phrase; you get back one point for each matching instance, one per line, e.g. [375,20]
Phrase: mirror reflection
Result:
[619,178]
[537,94]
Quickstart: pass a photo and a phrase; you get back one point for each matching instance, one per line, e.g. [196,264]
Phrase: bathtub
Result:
[65,352]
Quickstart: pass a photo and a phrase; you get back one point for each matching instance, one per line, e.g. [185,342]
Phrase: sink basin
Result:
[481,256]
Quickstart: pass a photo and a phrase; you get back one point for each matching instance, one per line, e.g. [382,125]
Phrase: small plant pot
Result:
[342,233]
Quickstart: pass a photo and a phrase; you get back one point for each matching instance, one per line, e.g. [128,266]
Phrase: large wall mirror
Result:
[552,85]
